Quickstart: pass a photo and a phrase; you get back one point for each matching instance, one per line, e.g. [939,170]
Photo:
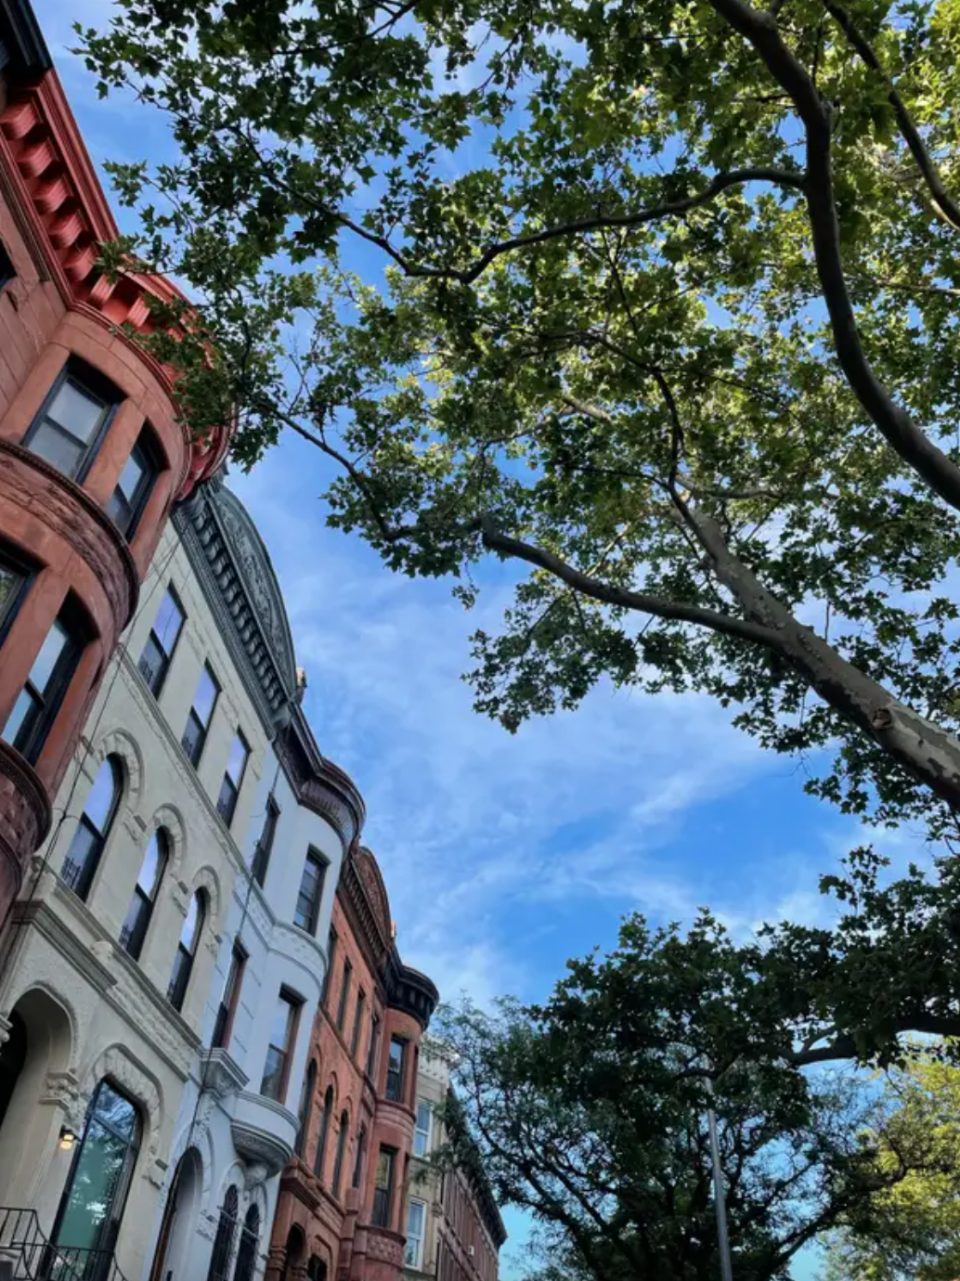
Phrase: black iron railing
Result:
[27,1254]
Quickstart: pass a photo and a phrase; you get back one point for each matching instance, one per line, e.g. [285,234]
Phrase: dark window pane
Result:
[153,665]
[227,801]
[81,859]
[193,738]
[11,580]
[273,1073]
[7,271]
[395,1069]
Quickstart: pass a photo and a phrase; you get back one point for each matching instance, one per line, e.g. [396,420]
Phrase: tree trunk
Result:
[927,752]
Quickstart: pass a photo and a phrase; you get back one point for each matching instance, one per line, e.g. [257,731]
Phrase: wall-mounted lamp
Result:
[67,1139]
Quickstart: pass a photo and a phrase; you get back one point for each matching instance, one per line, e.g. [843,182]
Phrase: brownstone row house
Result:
[209,1042]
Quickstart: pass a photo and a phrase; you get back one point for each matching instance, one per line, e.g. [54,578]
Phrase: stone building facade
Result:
[340,1213]
[92,456]
[452,1225]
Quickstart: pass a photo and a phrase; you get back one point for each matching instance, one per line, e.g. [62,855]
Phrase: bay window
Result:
[72,420]
[39,701]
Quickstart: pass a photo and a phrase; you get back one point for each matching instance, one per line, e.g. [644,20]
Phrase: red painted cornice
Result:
[43,152]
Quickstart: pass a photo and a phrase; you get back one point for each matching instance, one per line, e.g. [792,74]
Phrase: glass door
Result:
[92,1206]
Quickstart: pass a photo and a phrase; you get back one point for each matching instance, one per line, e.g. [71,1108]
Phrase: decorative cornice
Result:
[221,1074]
[74,494]
[238,581]
[80,960]
[364,922]
[410,991]
[257,1130]
[42,149]
[319,784]
[27,53]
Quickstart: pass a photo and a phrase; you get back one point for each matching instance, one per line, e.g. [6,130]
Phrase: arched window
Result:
[358,1163]
[103,1162]
[226,1232]
[186,949]
[324,1131]
[306,1106]
[341,1149]
[249,1241]
[85,850]
[144,895]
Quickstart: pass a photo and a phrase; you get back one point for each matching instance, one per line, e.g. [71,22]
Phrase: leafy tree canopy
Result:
[669,317]
[590,1110]
[911,1230]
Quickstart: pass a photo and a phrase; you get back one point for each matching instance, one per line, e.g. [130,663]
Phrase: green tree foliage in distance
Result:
[590,1112]
[656,301]
[912,1230]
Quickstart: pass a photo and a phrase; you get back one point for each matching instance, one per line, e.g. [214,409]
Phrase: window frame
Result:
[417,1262]
[230,997]
[373,1046]
[295,1003]
[359,1010]
[148,445]
[344,993]
[262,850]
[133,946]
[95,386]
[331,964]
[73,623]
[360,1153]
[152,636]
[26,571]
[398,1075]
[313,856]
[343,1135]
[195,757]
[183,968]
[8,272]
[321,1148]
[417,1130]
[81,884]
[227,811]
[383,1195]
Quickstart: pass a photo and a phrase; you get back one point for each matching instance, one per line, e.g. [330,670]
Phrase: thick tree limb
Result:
[898,428]
[619,596]
[944,203]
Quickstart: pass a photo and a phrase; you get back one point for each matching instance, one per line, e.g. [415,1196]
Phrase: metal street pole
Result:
[719,1196]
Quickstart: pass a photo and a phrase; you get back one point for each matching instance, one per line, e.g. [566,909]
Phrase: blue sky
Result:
[503,856]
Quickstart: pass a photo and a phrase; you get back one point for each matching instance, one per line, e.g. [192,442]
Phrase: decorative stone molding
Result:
[221,1075]
[25,811]
[263,1131]
[120,742]
[119,1065]
[318,783]
[44,494]
[62,1089]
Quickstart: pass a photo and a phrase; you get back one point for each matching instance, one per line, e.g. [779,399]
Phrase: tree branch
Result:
[897,427]
[618,596]
[943,202]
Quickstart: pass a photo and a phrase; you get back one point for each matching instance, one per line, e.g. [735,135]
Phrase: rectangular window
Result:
[39,701]
[233,778]
[374,1046]
[282,1036]
[230,999]
[358,1022]
[344,994]
[70,425]
[421,1135]
[133,488]
[7,272]
[201,713]
[416,1217]
[331,961]
[162,641]
[383,1189]
[261,855]
[395,1069]
[307,909]
[13,581]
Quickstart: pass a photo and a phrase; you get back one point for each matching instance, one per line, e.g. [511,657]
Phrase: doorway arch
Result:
[40,1043]
[180,1214]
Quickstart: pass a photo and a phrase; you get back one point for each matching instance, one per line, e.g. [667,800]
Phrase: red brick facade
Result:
[55,308]
[331,1221]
